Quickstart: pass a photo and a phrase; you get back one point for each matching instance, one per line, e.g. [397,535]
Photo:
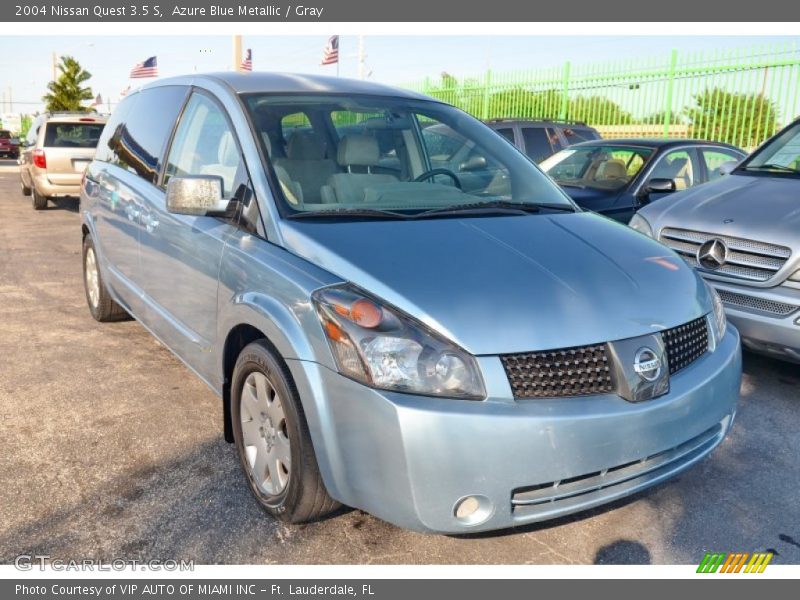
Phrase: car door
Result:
[180,254]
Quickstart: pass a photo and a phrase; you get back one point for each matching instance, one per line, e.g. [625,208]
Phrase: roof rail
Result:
[536,120]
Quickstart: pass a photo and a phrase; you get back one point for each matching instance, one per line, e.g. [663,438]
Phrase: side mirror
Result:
[197,195]
[658,185]
[474,163]
[727,167]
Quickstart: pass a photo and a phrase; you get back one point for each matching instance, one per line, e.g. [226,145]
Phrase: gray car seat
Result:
[305,164]
[355,153]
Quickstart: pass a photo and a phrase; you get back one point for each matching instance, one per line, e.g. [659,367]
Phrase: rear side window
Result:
[113,130]
[72,135]
[538,142]
[139,144]
[575,135]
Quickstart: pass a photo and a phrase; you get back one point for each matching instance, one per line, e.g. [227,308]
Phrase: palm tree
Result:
[66,93]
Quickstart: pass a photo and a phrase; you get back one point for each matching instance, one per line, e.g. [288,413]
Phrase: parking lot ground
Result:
[111,448]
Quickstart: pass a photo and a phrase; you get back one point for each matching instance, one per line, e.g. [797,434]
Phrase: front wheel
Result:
[273,441]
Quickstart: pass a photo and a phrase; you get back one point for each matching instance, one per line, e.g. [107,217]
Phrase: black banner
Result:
[407,11]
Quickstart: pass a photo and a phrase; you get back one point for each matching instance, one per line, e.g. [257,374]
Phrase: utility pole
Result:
[10,100]
[55,65]
[237,53]
[361,57]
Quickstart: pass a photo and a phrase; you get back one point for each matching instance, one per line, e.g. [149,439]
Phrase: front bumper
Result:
[410,459]
[763,327]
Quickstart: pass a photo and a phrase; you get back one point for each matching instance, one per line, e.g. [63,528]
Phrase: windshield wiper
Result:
[370,213]
[494,206]
[770,167]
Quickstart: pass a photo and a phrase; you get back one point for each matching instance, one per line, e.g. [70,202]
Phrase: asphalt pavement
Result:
[111,448]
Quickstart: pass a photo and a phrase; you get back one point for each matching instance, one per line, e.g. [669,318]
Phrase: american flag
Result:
[330,55]
[247,63]
[148,68]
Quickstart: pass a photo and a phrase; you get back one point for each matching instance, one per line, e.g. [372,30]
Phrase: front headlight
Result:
[641,225]
[720,320]
[382,347]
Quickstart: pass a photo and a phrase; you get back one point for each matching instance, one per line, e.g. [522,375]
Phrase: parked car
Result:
[9,145]
[540,139]
[617,177]
[56,152]
[743,234]
[449,361]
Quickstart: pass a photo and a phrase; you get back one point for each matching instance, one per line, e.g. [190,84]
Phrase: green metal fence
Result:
[741,96]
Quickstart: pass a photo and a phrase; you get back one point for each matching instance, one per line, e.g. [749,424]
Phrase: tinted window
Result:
[113,130]
[144,134]
[204,144]
[507,133]
[72,135]
[537,142]
[4,135]
[575,135]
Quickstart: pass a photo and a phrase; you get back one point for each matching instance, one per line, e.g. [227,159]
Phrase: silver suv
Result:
[55,154]
[742,233]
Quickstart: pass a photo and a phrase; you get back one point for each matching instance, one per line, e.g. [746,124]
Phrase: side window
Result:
[678,166]
[141,140]
[110,137]
[574,135]
[537,142]
[204,144]
[714,158]
[507,133]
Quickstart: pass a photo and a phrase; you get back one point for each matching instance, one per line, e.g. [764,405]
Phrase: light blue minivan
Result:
[399,311]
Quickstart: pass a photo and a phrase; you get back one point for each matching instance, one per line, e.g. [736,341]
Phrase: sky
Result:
[26,62]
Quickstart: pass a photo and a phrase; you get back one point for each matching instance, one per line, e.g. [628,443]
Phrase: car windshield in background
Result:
[601,167]
[342,154]
[72,135]
[5,135]
[779,156]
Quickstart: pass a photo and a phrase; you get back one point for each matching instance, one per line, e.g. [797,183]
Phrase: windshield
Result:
[599,167]
[779,155]
[367,153]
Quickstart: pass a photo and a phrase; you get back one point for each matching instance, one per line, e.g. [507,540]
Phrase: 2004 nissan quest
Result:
[449,345]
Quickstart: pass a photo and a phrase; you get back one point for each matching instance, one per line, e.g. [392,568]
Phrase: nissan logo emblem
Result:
[647,364]
[712,254]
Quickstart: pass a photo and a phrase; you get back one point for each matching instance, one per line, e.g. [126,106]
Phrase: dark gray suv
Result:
[540,139]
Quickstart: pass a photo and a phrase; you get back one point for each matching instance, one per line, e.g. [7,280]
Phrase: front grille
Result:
[779,309]
[555,497]
[685,343]
[747,259]
[580,371]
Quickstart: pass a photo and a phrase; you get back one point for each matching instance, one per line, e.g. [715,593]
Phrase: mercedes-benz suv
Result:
[742,233]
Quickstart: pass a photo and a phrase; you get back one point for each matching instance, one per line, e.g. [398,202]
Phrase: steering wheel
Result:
[434,172]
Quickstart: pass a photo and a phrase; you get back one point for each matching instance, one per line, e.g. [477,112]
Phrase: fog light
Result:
[473,510]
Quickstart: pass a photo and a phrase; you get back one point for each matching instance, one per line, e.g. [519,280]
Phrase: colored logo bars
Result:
[734,562]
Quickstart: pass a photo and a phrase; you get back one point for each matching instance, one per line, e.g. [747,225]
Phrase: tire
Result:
[26,191]
[39,201]
[294,494]
[101,304]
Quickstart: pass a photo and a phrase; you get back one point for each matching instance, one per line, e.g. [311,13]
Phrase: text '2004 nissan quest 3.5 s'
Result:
[451,345]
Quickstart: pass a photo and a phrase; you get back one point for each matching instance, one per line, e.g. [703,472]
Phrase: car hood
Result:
[753,207]
[510,284]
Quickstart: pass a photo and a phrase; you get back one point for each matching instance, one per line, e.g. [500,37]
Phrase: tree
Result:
[744,119]
[67,92]
[598,110]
